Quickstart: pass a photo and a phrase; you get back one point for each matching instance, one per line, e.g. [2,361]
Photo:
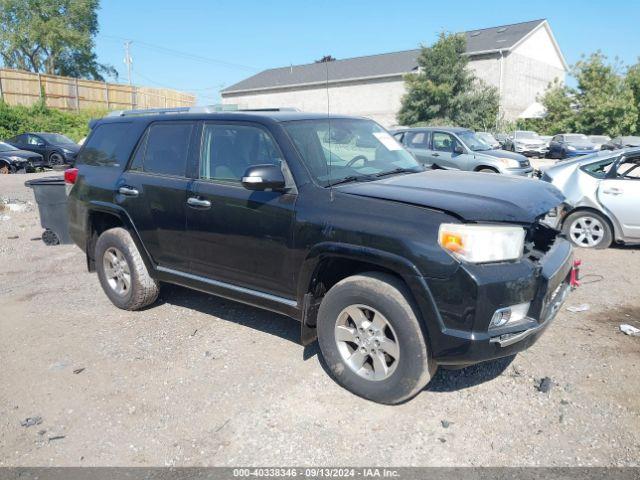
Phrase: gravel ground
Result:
[196,380]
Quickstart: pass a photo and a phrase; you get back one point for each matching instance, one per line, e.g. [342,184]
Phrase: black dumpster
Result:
[51,197]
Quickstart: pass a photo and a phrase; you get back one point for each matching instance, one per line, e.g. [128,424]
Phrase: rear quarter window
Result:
[109,145]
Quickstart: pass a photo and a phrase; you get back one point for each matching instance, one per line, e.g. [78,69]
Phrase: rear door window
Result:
[417,140]
[34,140]
[167,148]
[107,146]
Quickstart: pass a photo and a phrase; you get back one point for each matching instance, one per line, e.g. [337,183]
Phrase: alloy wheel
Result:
[366,342]
[586,231]
[116,271]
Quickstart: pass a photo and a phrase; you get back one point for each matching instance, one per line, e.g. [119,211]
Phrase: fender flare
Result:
[400,266]
[127,223]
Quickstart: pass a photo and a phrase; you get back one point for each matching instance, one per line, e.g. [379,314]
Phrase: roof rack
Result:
[198,109]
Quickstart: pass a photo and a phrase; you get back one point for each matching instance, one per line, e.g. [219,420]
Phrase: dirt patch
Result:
[196,380]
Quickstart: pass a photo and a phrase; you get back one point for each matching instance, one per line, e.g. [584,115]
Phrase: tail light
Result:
[70,175]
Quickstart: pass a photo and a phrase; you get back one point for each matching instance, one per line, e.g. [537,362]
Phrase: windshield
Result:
[577,137]
[337,150]
[56,138]
[5,147]
[487,137]
[526,134]
[473,141]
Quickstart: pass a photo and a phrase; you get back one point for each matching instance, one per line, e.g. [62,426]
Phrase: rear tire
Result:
[386,360]
[588,229]
[55,159]
[122,272]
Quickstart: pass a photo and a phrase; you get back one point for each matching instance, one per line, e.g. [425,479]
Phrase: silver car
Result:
[528,143]
[603,190]
[454,148]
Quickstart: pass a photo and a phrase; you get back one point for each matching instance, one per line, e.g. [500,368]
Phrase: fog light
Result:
[509,315]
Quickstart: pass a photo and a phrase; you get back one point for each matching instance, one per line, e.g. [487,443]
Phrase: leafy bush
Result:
[39,118]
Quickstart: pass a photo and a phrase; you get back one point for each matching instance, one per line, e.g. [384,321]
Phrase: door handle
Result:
[612,191]
[198,202]
[128,191]
[435,154]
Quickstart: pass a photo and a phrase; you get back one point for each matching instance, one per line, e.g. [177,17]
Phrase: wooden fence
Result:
[18,87]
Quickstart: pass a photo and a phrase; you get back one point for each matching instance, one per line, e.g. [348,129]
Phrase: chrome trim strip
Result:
[229,286]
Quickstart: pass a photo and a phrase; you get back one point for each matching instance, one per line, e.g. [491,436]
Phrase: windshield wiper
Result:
[398,170]
[353,178]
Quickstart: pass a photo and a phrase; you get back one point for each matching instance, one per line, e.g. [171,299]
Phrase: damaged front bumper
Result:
[464,336]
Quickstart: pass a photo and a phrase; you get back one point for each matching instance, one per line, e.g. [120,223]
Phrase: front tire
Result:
[588,229]
[122,272]
[371,338]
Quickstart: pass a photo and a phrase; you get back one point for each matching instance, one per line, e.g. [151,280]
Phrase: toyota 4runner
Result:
[328,220]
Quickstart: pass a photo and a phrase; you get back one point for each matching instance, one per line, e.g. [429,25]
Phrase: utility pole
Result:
[127,59]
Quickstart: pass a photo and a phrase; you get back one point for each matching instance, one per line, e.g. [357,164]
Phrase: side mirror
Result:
[458,149]
[263,177]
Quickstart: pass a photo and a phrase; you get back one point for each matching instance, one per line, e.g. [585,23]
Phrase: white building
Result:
[520,60]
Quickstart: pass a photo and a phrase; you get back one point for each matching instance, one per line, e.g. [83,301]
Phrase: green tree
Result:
[51,36]
[445,90]
[602,102]
[633,81]
[560,112]
[603,98]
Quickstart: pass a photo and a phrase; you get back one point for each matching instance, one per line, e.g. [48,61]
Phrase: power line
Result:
[203,89]
[178,53]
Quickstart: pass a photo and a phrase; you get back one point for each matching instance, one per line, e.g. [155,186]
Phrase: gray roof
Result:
[385,64]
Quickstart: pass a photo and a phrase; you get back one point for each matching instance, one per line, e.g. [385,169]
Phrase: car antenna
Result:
[326,69]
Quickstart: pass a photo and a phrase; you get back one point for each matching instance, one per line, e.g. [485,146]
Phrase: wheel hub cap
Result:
[366,342]
[116,270]
[586,231]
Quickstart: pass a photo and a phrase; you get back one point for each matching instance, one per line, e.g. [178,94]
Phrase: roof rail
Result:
[274,109]
[196,109]
[147,111]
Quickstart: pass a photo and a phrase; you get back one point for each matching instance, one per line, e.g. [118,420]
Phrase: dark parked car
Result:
[570,145]
[56,149]
[503,139]
[13,159]
[621,142]
[396,269]
[455,148]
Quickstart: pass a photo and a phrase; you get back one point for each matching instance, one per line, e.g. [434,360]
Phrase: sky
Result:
[201,46]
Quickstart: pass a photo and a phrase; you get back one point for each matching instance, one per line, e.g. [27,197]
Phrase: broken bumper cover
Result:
[545,284]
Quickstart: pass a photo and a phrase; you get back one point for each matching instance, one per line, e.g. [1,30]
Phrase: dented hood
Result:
[473,197]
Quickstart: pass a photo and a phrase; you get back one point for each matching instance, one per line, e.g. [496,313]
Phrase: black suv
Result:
[327,220]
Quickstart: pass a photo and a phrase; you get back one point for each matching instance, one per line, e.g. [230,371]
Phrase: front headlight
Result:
[482,243]
[510,162]
[571,147]
[67,151]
